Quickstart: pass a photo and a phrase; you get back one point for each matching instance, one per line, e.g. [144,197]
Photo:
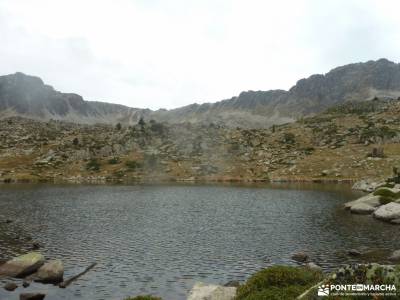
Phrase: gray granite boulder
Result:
[23,265]
[203,291]
[388,211]
[51,272]
[395,255]
[362,209]
[368,199]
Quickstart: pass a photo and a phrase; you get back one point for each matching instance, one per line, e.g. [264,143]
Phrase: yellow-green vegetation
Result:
[114,161]
[133,164]
[93,165]
[145,297]
[278,282]
[386,195]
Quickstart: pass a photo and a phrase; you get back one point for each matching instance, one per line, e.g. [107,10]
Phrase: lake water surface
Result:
[161,239]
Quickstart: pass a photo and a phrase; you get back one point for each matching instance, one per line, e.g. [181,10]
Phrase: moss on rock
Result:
[386,192]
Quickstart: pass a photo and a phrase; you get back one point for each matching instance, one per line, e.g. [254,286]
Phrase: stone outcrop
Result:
[300,257]
[10,286]
[23,265]
[388,212]
[51,272]
[362,209]
[395,255]
[370,200]
[203,291]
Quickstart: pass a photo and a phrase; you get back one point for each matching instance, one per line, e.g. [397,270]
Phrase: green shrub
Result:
[309,150]
[278,282]
[93,165]
[289,138]
[133,164]
[146,297]
[113,161]
[277,293]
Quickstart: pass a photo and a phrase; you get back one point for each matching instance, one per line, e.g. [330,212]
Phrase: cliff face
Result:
[28,96]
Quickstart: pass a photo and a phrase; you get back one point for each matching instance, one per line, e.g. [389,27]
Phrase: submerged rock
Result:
[203,291]
[232,283]
[395,255]
[395,221]
[10,286]
[388,212]
[300,257]
[31,296]
[354,252]
[313,266]
[23,265]
[35,246]
[362,209]
[51,272]
[368,199]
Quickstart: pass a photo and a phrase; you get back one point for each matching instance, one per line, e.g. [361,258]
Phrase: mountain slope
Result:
[348,142]
[28,96]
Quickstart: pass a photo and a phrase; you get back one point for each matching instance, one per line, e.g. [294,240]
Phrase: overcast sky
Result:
[169,53]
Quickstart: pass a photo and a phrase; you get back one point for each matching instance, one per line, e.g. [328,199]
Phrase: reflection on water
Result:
[161,239]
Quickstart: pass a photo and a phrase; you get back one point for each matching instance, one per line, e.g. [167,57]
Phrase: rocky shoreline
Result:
[104,180]
[382,200]
[275,282]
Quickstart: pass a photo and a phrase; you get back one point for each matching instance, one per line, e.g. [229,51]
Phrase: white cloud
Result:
[168,53]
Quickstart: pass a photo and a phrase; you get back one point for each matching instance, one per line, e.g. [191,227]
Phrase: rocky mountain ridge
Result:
[28,96]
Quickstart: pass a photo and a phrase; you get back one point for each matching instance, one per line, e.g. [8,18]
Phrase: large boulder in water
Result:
[23,265]
[362,209]
[203,291]
[395,255]
[51,272]
[300,257]
[370,199]
[388,212]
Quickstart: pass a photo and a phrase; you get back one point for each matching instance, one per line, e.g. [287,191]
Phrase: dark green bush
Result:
[93,165]
[289,138]
[278,282]
[277,293]
[113,161]
[133,164]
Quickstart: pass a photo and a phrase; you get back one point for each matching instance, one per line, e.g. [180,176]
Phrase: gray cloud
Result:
[171,53]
